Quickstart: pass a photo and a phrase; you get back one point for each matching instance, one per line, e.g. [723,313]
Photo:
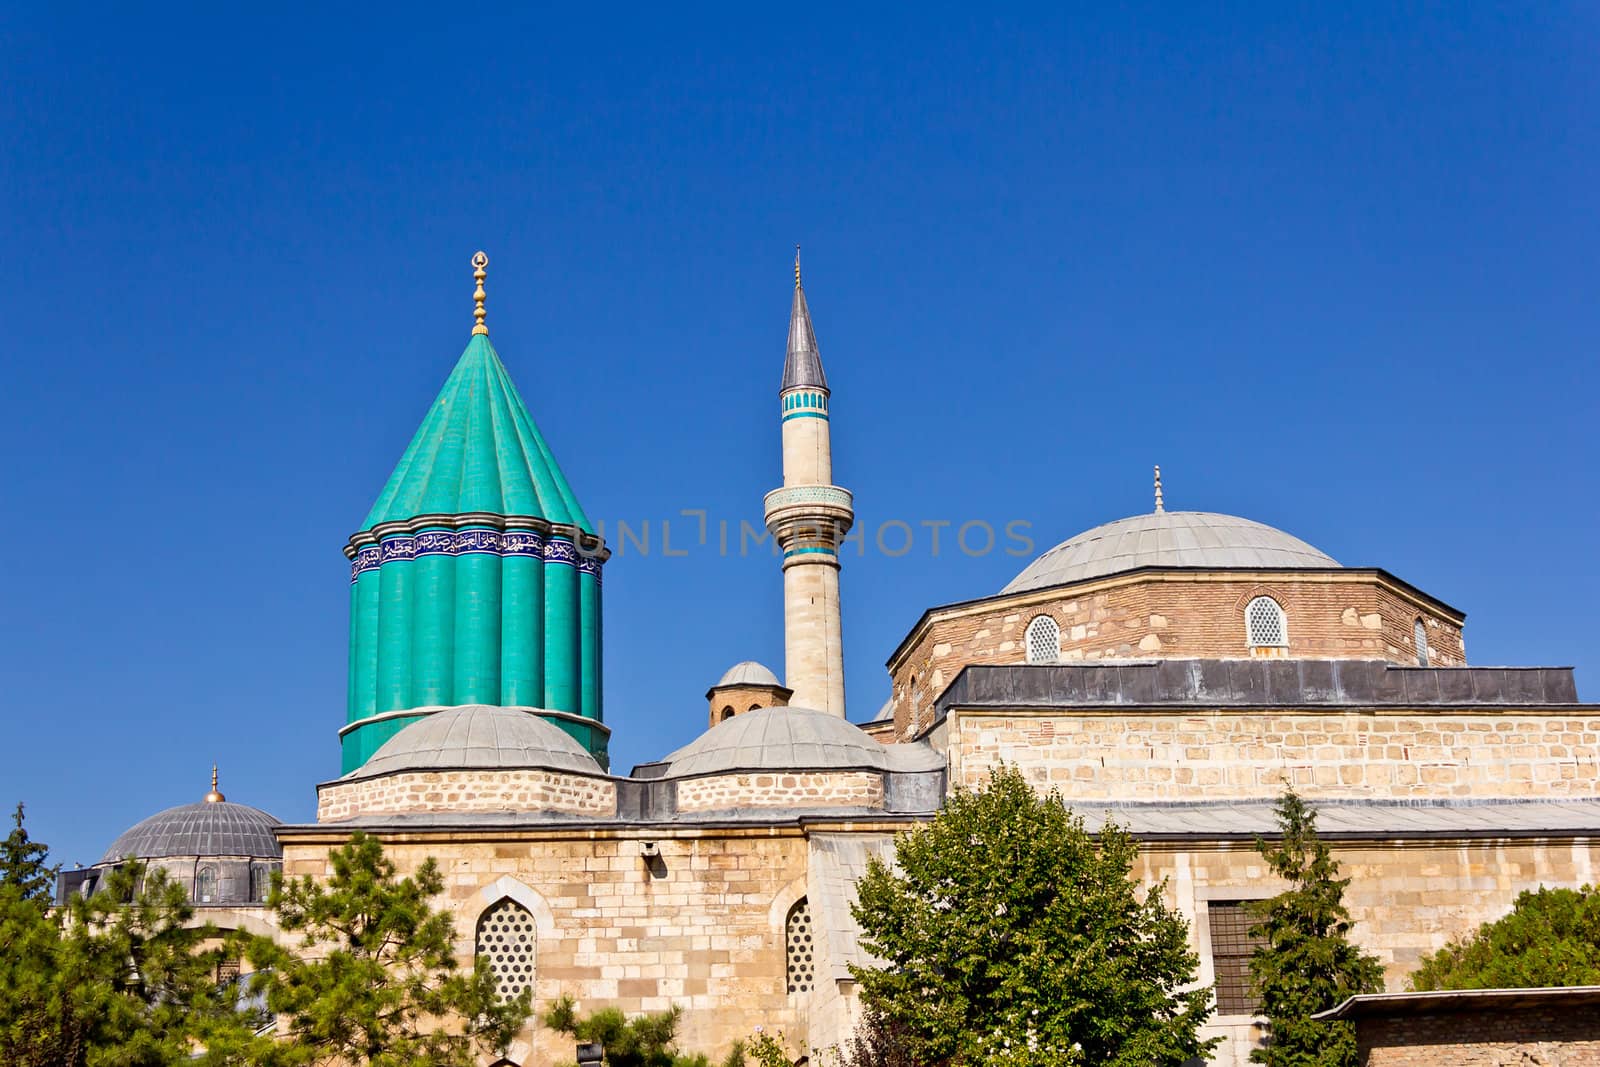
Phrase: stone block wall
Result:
[466,790]
[1407,898]
[701,925]
[782,789]
[1542,1037]
[1174,614]
[1187,754]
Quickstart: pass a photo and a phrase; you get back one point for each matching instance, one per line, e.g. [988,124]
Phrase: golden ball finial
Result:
[214,797]
[480,260]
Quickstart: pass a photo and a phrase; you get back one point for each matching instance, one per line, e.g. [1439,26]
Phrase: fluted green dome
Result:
[478,450]
[476,575]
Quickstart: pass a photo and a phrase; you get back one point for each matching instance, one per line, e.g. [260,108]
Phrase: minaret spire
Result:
[808,518]
[1160,506]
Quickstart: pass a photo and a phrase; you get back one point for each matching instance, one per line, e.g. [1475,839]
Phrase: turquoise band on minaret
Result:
[476,577]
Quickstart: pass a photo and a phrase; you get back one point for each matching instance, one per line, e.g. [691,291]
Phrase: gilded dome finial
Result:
[1160,507]
[797,266]
[214,797]
[480,260]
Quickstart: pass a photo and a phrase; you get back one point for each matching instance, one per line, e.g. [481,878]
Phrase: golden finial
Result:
[214,797]
[480,260]
[797,266]
[1160,507]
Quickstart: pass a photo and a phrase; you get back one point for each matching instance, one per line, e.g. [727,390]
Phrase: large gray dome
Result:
[779,739]
[1167,539]
[209,828]
[479,737]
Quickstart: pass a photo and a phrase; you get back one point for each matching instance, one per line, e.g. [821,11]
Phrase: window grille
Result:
[260,883]
[1266,625]
[227,971]
[1043,640]
[1231,949]
[506,940]
[205,885]
[799,963]
[1419,637]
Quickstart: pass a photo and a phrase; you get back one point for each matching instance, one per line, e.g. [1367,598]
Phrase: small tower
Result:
[744,687]
[808,518]
[475,578]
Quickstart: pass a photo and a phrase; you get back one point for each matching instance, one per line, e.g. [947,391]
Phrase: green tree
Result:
[1551,937]
[122,978]
[1009,935]
[22,864]
[1304,962]
[375,981]
[642,1041]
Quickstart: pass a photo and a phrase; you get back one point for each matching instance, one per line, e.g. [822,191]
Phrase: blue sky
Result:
[1332,269]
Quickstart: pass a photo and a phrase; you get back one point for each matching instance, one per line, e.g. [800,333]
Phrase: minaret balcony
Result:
[809,505]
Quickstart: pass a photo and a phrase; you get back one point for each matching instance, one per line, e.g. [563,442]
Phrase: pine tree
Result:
[375,981]
[22,864]
[1010,935]
[1305,962]
[122,978]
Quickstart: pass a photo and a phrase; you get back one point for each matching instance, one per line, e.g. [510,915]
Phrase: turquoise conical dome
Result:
[476,575]
[478,450]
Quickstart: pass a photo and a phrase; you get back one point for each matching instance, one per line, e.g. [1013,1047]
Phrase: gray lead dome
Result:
[1168,539]
[203,829]
[779,739]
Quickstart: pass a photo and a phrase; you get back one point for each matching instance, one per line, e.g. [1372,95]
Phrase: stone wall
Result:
[782,789]
[466,790]
[1547,1037]
[1174,614]
[701,925]
[1406,898]
[1185,754]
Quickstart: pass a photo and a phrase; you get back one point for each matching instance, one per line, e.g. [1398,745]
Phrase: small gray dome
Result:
[479,737]
[748,672]
[779,739]
[204,829]
[1167,539]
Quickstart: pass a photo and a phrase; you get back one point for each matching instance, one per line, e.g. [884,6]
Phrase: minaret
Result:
[808,518]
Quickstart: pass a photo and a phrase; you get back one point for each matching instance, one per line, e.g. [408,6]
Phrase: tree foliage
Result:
[374,980]
[122,978]
[23,866]
[1304,962]
[1551,937]
[643,1041]
[1010,935]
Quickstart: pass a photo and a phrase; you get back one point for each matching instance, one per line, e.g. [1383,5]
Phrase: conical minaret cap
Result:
[802,367]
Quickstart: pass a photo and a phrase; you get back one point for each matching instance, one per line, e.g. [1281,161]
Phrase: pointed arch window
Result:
[1043,640]
[1419,638]
[205,885]
[1266,626]
[798,957]
[506,940]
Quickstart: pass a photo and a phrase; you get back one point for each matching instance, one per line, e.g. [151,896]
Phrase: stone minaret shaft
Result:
[808,518]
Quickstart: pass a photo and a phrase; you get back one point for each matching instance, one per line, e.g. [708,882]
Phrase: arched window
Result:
[799,963]
[1043,640]
[205,885]
[1266,626]
[1419,637]
[755,707]
[506,940]
[727,713]
[260,883]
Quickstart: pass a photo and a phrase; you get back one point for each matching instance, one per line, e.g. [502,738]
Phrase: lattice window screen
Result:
[506,938]
[1266,624]
[1043,640]
[1419,637]
[1231,949]
[799,960]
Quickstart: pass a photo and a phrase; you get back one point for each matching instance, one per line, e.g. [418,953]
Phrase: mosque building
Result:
[1173,672]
